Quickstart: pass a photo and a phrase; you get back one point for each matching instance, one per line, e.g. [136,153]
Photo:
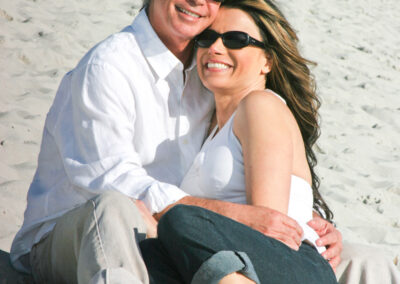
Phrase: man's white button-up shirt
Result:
[127,118]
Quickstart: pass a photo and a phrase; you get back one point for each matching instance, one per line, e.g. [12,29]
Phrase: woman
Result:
[259,153]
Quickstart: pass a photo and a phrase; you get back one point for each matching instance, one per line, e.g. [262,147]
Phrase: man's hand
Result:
[151,223]
[273,224]
[330,237]
[265,220]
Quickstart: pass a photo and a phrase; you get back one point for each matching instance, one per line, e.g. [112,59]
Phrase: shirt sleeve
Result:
[95,131]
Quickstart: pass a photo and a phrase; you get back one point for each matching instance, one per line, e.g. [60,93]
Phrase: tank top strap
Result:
[278,96]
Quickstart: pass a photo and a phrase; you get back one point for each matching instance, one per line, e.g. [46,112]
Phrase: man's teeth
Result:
[217,65]
[188,12]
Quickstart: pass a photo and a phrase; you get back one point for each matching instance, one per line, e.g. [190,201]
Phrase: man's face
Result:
[182,20]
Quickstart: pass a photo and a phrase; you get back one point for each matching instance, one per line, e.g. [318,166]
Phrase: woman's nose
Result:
[217,47]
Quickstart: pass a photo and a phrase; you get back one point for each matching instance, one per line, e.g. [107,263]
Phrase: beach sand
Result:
[355,43]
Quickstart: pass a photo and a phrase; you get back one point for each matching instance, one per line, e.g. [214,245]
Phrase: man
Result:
[127,122]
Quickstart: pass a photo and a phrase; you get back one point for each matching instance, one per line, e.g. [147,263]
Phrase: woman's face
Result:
[224,69]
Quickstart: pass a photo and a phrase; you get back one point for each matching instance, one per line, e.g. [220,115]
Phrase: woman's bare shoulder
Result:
[262,104]
[259,111]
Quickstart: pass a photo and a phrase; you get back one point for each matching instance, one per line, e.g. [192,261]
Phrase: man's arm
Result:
[94,129]
[267,221]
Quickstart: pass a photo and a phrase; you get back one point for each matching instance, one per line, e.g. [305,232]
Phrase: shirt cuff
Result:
[161,195]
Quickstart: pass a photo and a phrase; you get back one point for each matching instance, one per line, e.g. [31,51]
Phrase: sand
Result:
[355,43]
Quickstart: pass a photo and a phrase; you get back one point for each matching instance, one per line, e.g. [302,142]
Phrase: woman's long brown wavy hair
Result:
[290,77]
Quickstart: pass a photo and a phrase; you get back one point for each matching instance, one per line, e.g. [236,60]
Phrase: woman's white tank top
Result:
[218,173]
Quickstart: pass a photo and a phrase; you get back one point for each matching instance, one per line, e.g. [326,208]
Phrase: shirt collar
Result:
[193,63]
[160,58]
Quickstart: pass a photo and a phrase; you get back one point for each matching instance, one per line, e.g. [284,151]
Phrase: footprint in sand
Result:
[5,15]
[3,113]
[384,114]
[50,73]
[30,116]
[24,59]
[26,115]
[24,166]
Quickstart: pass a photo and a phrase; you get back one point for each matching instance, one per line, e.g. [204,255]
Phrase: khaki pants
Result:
[94,243]
[363,264]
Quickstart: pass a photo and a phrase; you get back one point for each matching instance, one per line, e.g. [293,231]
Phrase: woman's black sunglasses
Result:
[232,40]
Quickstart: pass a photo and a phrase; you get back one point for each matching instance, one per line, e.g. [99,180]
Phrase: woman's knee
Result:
[182,220]
[175,217]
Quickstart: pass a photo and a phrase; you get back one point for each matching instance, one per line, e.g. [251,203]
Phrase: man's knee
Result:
[113,207]
[111,198]
[362,253]
[112,202]
[367,263]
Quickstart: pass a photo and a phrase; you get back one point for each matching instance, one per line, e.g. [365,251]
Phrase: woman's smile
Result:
[217,66]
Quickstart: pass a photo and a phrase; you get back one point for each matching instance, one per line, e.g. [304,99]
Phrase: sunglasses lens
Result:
[232,40]
[206,38]
[236,40]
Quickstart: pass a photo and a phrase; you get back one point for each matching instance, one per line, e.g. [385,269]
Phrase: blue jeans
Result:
[196,245]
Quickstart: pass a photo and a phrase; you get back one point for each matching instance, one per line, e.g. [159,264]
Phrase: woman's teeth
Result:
[217,65]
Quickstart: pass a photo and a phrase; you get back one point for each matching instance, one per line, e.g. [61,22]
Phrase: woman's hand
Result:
[151,223]
[330,237]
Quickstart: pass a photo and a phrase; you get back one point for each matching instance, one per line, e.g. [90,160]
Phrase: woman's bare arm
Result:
[263,128]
